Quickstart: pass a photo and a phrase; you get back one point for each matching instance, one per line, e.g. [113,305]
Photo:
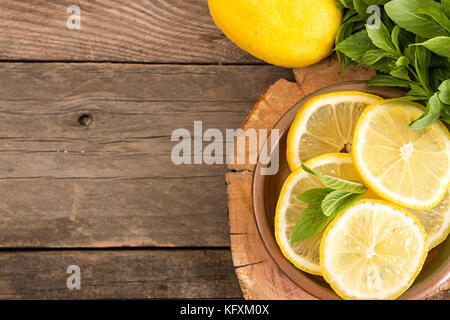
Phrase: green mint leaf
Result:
[388,81]
[360,6]
[403,12]
[347,3]
[416,90]
[336,183]
[446,119]
[437,15]
[439,45]
[337,201]
[385,65]
[356,45]
[445,85]
[444,92]
[440,73]
[372,56]
[400,73]
[350,14]
[310,223]
[395,37]
[410,52]
[422,64]
[445,113]
[381,38]
[339,5]
[314,196]
[403,61]
[445,6]
[431,114]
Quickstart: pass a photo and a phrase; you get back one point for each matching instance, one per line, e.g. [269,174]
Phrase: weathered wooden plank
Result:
[177,31]
[112,183]
[42,212]
[134,82]
[112,274]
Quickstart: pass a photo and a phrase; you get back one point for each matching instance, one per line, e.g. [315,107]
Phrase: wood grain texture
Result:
[167,31]
[113,183]
[328,72]
[112,274]
[271,105]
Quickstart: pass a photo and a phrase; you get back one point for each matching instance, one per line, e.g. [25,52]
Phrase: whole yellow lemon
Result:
[287,33]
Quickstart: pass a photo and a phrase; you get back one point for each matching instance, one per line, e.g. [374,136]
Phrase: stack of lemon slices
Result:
[375,248]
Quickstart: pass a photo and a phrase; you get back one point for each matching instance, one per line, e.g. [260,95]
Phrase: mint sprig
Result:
[324,204]
[408,46]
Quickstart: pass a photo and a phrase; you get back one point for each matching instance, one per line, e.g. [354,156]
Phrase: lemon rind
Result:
[437,238]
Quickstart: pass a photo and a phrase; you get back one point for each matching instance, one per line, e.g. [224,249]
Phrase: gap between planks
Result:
[231,64]
[142,248]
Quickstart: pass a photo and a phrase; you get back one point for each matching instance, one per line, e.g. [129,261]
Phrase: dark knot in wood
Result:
[85,120]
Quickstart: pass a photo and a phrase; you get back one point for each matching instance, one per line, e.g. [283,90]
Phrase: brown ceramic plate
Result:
[436,270]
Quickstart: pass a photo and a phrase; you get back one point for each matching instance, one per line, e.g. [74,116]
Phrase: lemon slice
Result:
[408,167]
[436,221]
[373,250]
[305,254]
[325,124]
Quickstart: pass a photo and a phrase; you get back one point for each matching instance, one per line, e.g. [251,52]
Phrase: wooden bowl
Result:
[265,192]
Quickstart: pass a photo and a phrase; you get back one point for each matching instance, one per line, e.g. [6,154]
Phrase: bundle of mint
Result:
[408,43]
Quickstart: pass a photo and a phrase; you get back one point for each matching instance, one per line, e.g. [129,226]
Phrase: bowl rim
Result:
[294,274]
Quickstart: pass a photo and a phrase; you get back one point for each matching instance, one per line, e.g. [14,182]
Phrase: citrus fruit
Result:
[305,254]
[288,33]
[373,250]
[436,221]
[325,124]
[407,167]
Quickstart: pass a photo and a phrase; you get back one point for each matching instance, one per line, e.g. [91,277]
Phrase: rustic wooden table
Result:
[86,176]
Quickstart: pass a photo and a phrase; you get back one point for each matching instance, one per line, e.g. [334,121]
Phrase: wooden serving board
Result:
[259,276]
